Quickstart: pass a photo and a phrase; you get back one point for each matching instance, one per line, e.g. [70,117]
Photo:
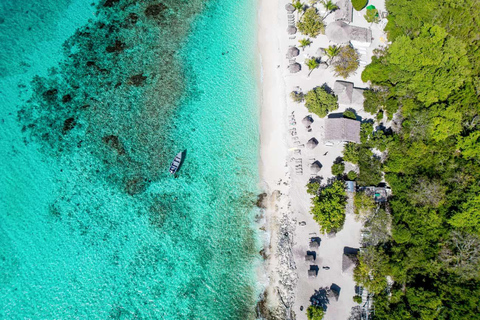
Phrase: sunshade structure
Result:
[342,33]
[349,259]
[312,143]
[347,94]
[344,11]
[294,67]
[292,52]
[291,30]
[342,129]
[307,121]
[289,8]
[315,167]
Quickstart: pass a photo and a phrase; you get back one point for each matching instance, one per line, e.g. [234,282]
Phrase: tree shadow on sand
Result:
[320,298]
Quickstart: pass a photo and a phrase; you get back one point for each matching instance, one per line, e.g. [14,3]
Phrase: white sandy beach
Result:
[288,221]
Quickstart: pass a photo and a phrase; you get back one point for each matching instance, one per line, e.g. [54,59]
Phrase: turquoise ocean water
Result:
[95,100]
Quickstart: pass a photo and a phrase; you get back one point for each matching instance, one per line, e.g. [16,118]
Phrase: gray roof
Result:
[292,52]
[291,30]
[294,67]
[307,121]
[349,261]
[342,129]
[347,94]
[344,11]
[312,143]
[315,167]
[340,32]
[289,8]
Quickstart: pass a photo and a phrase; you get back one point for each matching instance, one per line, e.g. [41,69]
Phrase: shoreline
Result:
[274,171]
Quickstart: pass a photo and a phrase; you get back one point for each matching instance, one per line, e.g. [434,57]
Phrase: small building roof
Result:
[347,94]
[307,121]
[294,67]
[349,262]
[342,129]
[292,52]
[315,167]
[344,11]
[312,143]
[341,33]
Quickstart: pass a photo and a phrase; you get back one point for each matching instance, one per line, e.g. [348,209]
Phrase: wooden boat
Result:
[176,163]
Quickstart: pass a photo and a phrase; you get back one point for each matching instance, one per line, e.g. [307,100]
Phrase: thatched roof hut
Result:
[347,94]
[289,7]
[315,167]
[291,30]
[312,143]
[307,121]
[344,11]
[349,259]
[312,273]
[342,33]
[294,67]
[309,257]
[342,129]
[292,52]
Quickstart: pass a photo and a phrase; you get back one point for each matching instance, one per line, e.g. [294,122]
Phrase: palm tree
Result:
[332,51]
[304,43]
[330,6]
[312,64]
[298,6]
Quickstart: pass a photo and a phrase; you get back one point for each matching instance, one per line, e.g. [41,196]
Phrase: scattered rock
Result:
[155,9]
[114,142]
[110,3]
[68,125]
[137,80]
[117,47]
[66,98]
[261,199]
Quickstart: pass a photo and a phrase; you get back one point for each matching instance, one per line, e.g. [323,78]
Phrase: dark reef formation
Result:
[115,91]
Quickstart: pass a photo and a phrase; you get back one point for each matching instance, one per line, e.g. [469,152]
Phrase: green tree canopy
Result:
[311,24]
[320,102]
[346,62]
[328,207]
[315,313]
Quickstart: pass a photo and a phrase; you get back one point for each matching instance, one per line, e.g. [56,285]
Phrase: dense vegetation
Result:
[315,313]
[311,24]
[346,61]
[359,4]
[328,205]
[320,102]
[430,74]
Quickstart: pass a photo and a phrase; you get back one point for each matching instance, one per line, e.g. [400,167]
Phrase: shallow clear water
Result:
[91,224]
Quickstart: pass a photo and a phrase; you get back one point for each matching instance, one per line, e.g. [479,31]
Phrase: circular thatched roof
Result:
[289,8]
[291,30]
[294,67]
[315,167]
[307,121]
[292,52]
[312,143]
[338,32]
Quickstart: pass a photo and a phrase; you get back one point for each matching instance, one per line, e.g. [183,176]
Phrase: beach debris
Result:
[312,143]
[292,52]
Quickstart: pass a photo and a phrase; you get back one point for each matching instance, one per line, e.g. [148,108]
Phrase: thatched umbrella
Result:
[312,143]
[307,121]
[294,67]
[291,30]
[292,52]
[289,8]
[315,167]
